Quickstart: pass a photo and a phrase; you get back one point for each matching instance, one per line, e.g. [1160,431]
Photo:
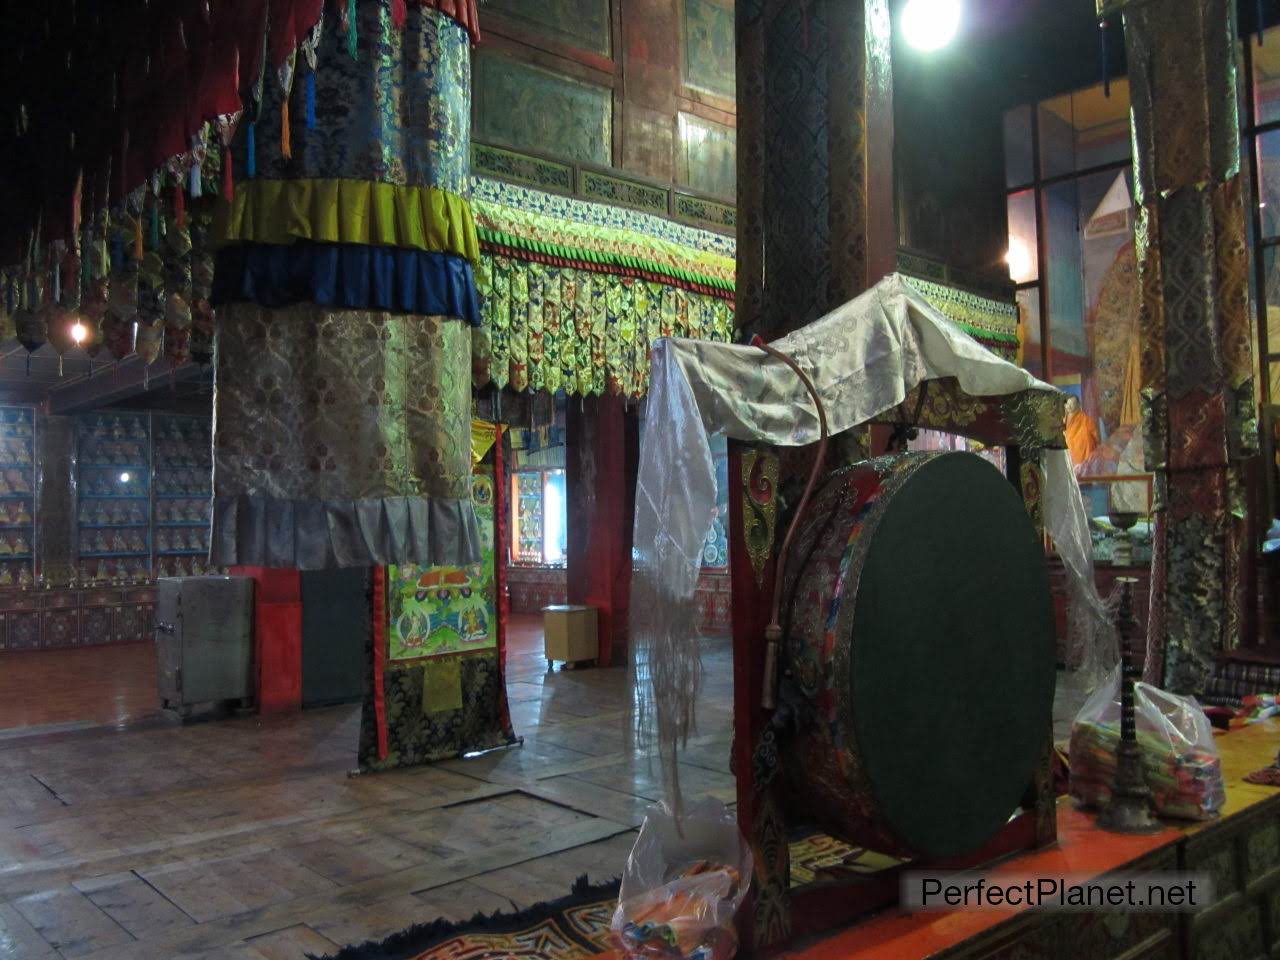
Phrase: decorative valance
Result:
[563,231]
[351,211]
[560,328]
[354,276]
[993,323]
[574,293]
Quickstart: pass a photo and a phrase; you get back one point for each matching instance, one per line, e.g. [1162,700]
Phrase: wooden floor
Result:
[245,838]
[87,686]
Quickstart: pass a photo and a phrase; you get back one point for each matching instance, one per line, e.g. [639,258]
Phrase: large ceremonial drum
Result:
[919,655]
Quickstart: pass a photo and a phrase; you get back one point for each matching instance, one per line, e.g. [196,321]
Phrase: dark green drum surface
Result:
[919,654]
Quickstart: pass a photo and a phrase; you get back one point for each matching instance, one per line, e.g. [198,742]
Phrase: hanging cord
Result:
[773,632]
[1262,21]
[905,431]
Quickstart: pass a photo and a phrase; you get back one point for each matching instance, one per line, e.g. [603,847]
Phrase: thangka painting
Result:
[433,611]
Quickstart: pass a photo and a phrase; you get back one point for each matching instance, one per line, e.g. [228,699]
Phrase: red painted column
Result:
[602,462]
[277,637]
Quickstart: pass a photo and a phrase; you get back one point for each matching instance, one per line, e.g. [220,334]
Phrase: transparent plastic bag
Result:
[682,885]
[1180,761]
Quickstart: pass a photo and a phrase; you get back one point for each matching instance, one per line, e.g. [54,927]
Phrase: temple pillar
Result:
[815,229]
[603,451]
[1199,416]
[815,158]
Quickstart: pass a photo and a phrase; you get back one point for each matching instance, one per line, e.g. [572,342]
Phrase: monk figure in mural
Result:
[1082,432]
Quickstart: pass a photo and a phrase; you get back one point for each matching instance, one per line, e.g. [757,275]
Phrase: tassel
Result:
[228,177]
[179,204]
[1106,71]
[398,14]
[351,28]
[1262,22]
[137,238]
[196,183]
[155,225]
[311,100]
[251,152]
[286,143]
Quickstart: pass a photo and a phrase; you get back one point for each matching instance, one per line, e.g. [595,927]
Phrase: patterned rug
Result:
[577,925]
[565,929]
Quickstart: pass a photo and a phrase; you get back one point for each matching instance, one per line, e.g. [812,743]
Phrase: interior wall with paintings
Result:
[1070,251]
[638,85]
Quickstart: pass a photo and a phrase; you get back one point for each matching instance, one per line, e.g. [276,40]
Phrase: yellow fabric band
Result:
[350,211]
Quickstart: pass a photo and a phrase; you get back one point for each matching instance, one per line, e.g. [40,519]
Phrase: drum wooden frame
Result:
[774,913]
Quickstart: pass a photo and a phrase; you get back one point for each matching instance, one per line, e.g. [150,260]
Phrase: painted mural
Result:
[579,23]
[434,611]
[708,156]
[528,108]
[709,46]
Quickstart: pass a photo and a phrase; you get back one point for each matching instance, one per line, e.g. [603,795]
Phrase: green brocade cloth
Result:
[573,293]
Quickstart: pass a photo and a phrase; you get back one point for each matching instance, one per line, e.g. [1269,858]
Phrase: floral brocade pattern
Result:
[399,112]
[558,328]
[319,404]
[499,199]
[415,735]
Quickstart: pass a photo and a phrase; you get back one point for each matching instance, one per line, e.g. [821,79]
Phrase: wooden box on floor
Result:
[570,633]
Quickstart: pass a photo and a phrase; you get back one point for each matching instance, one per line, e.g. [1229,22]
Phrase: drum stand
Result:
[774,914]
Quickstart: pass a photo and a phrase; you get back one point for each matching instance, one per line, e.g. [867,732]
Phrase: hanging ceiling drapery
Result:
[110,92]
[344,292]
[574,293]
[156,91]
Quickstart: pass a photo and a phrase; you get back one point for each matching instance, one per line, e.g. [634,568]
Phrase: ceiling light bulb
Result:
[930,24]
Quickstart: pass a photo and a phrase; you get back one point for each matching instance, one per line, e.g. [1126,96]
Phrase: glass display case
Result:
[144,483]
[17,496]
[183,484]
[113,467]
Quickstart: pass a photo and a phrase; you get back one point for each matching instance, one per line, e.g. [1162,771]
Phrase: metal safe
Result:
[204,640]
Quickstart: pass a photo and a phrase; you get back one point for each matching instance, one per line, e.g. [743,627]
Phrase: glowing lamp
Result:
[1018,258]
[79,332]
[930,24]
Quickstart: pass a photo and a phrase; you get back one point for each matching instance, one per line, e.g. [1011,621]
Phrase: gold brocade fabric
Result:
[1197,403]
[343,438]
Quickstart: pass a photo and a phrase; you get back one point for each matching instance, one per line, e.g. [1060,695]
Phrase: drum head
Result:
[952,662]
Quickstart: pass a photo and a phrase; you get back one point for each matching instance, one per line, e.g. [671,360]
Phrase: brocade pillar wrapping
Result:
[815,149]
[603,449]
[341,439]
[815,229]
[1199,416]
[345,289]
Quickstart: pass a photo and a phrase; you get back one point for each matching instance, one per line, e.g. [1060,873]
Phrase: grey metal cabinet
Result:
[204,640]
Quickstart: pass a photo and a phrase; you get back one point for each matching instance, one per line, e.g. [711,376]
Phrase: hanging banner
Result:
[442,676]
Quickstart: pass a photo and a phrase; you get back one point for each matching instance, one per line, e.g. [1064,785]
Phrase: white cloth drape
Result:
[864,358]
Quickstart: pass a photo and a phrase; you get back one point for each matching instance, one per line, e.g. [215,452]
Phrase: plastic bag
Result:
[1180,761]
[680,892]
